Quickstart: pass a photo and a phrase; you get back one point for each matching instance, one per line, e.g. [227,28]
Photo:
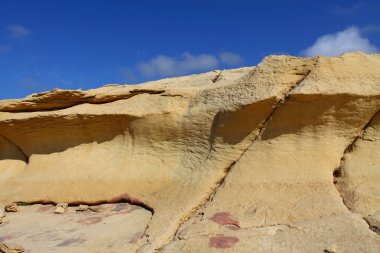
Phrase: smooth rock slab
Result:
[343,233]
[113,228]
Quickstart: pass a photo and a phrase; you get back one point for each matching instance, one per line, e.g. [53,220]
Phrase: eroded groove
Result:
[119,199]
[360,135]
[258,137]
[17,147]
[339,172]
[227,170]
[172,95]
[84,100]
[217,77]
[214,127]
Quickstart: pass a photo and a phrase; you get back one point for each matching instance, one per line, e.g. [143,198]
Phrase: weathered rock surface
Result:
[12,207]
[83,208]
[115,228]
[4,248]
[282,157]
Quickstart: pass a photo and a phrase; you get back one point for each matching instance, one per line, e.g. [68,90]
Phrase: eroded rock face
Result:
[113,228]
[252,159]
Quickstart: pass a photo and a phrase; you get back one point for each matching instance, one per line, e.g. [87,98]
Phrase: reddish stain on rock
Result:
[71,241]
[90,220]
[225,218]
[124,197]
[117,199]
[220,241]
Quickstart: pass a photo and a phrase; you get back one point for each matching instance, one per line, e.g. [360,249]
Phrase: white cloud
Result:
[341,42]
[18,31]
[230,59]
[167,66]
[164,66]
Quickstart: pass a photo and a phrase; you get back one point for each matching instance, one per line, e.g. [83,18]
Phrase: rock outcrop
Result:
[282,157]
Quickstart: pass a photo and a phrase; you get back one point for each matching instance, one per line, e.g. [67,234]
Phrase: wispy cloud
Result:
[187,63]
[168,66]
[231,59]
[348,40]
[18,31]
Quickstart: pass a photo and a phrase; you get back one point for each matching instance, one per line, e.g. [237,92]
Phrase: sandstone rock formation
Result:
[282,157]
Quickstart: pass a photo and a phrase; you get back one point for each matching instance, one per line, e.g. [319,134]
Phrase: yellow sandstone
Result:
[281,157]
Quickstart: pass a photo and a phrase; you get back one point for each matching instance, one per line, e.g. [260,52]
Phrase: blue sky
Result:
[47,44]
